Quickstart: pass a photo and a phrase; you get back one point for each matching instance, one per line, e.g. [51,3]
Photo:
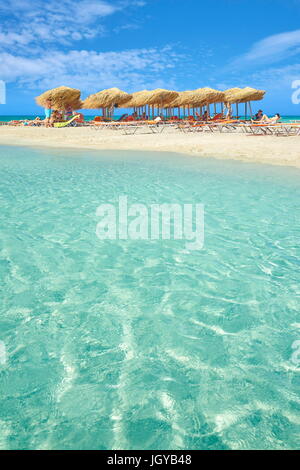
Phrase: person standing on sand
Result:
[48,112]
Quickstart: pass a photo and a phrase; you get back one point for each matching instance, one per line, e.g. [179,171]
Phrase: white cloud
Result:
[35,42]
[26,23]
[92,71]
[272,49]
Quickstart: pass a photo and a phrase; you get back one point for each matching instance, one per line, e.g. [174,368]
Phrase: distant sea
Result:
[30,116]
[90,118]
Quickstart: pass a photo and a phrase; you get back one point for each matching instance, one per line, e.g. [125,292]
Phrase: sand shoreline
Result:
[259,149]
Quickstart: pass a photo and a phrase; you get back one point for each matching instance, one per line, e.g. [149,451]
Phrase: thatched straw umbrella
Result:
[205,97]
[106,99]
[61,98]
[160,98]
[197,99]
[233,95]
[243,95]
[138,101]
[251,94]
[183,99]
[77,105]
[155,98]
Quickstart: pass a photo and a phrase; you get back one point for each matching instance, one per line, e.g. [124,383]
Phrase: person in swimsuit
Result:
[259,115]
[68,113]
[48,112]
[271,120]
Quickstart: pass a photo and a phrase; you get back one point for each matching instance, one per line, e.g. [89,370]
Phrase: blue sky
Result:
[137,44]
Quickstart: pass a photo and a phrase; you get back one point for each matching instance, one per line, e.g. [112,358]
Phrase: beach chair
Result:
[217,117]
[202,127]
[227,126]
[71,122]
[122,118]
[184,127]
[260,129]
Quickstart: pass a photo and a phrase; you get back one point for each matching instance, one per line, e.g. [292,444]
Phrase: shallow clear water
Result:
[143,345]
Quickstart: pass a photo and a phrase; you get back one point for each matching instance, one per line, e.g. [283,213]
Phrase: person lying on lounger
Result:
[265,119]
[35,122]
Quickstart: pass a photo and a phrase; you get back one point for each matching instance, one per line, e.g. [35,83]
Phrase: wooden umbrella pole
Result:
[246,110]
[215,108]
[250,107]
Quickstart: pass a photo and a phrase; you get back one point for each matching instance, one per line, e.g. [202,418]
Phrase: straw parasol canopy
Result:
[204,96]
[77,105]
[184,98]
[233,95]
[106,99]
[199,97]
[138,99]
[251,94]
[160,97]
[243,95]
[61,98]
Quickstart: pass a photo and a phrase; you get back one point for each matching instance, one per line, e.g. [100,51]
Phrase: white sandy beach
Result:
[264,149]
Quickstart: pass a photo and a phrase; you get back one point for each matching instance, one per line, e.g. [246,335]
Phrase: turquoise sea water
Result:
[31,117]
[143,345]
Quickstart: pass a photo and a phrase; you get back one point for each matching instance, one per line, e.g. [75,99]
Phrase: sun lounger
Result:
[71,122]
